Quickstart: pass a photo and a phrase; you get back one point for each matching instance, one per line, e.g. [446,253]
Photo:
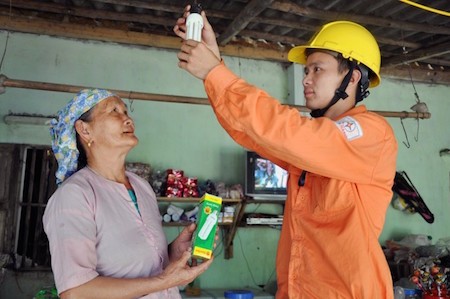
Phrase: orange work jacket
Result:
[329,245]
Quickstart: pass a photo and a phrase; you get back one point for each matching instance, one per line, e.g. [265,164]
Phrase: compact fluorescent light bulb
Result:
[208,226]
[194,23]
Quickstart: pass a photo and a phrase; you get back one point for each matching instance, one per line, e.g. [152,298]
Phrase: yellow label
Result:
[202,252]
[212,198]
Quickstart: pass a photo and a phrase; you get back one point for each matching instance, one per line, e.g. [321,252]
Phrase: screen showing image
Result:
[269,176]
[264,179]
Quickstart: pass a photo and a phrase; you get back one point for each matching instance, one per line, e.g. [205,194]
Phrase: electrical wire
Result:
[248,266]
[4,51]
[270,277]
[219,246]
[416,138]
[256,208]
[245,258]
[412,82]
[427,8]
[7,37]
[246,261]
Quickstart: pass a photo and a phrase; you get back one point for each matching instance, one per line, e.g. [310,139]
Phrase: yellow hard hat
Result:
[352,40]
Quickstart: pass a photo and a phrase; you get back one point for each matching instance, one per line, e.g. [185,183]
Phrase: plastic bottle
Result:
[171,210]
[399,293]
[192,212]
[194,23]
[228,214]
[175,217]
[167,218]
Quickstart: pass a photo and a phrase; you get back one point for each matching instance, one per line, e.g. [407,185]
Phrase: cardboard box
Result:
[204,236]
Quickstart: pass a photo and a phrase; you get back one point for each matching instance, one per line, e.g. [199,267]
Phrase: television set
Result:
[264,179]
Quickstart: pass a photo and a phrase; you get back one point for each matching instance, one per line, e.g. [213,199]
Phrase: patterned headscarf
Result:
[63,134]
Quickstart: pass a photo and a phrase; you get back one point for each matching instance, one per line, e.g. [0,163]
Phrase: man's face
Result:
[321,79]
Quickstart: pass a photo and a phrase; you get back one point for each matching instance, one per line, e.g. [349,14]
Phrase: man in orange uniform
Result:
[341,162]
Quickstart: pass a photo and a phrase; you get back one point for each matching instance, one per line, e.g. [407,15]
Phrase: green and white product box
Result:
[204,236]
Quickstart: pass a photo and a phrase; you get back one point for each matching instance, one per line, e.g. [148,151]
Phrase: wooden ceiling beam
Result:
[281,5]
[327,15]
[145,19]
[260,35]
[145,4]
[251,10]
[132,3]
[419,55]
[418,75]
[85,32]
[441,63]
[90,13]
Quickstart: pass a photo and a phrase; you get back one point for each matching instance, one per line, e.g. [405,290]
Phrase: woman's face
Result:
[111,126]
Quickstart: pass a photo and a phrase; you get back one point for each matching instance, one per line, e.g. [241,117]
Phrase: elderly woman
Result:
[103,223]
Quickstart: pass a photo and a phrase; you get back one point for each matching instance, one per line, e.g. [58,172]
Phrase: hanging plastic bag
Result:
[406,190]
[399,203]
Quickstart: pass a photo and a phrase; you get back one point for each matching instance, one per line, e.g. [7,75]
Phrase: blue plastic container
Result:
[412,294]
[238,294]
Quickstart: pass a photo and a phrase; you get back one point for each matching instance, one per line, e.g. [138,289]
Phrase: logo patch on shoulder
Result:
[350,127]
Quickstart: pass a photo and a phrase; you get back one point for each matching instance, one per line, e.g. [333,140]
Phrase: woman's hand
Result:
[179,272]
[182,243]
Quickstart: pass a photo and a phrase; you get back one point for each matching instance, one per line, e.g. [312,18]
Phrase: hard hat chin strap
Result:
[362,92]
[338,94]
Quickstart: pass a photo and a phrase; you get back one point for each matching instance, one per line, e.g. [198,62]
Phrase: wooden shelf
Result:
[265,201]
[186,223]
[194,199]
[245,225]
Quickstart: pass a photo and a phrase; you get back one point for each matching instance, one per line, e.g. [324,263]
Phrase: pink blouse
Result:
[94,229]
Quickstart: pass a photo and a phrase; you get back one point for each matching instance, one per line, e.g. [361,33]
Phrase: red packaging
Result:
[179,186]
[176,172]
[428,296]
[190,182]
